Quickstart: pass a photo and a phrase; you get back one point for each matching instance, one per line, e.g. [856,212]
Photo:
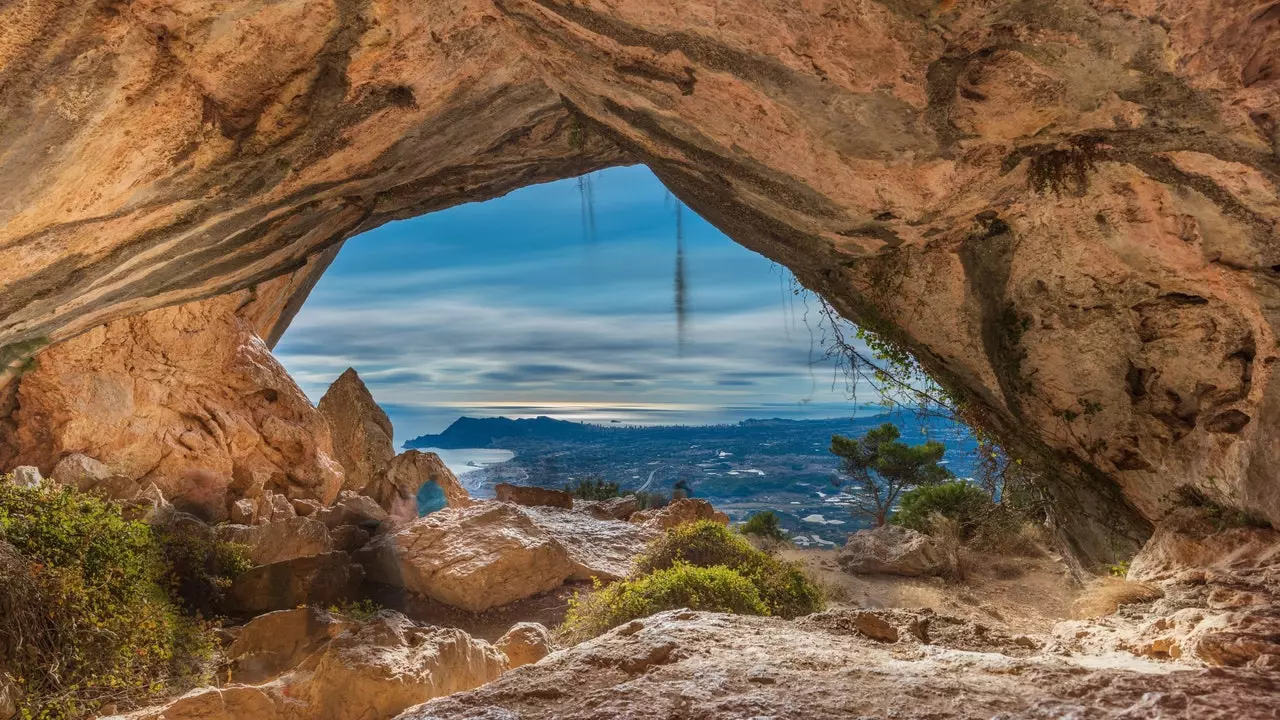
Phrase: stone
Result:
[275,507]
[891,550]
[272,644]
[390,663]
[80,471]
[1187,539]
[360,429]
[599,549]
[244,511]
[150,507]
[679,512]
[26,476]
[533,496]
[525,643]
[875,627]
[396,491]
[307,666]
[9,697]
[352,509]
[186,397]
[304,507]
[619,508]
[349,538]
[474,558]
[323,580]
[279,540]
[682,664]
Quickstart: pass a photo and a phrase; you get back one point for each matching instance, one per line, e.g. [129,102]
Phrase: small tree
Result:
[764,524]
[883,467]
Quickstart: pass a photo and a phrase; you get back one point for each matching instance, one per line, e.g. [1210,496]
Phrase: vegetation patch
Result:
[701,566]
[764,525]
[86,622]
[1065,169]
[966,504]
[594,489]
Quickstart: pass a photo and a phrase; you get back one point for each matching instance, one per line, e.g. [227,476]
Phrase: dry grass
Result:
[1110,594]
[948,535]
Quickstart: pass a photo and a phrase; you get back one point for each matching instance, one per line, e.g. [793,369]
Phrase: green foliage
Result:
[357,610]
[84,617]
[884,467]
[782,586]
[1120,569]
[716,589]
[594,489]
[198,568]
[764,524]
[966,504]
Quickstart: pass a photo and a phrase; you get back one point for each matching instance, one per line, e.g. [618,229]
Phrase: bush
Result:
[85,621]
[783,587]
[960,501]
[199,569]
[596,489]
[715,589]
[765,525]
[650,500]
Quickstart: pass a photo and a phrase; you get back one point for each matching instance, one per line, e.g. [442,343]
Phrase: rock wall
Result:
[186,397]
[1068,209]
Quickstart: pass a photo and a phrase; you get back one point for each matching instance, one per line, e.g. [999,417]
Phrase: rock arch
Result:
[1067,209]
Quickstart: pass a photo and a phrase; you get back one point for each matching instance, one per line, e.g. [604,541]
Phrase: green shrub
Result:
[960,501]
[782,586]
[593,489]
[764,524]
[357,610]
[715,589]
[85,620]
[198,568]
[650,500]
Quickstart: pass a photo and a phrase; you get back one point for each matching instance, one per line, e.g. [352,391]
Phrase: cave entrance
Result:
[600,299]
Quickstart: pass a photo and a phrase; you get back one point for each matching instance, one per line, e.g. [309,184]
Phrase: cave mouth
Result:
[599,299]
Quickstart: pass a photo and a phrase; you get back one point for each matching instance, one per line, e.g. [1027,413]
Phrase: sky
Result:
[531,304]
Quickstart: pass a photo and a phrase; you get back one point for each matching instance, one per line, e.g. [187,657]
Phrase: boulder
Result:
[287,539]
[244,511]
[26,476]
[891,550]
[474,558]
[310,666]
[349,538]
[271,645]
[150,507]
[187,397]
[525,643]
[1187,538]
[598,549]
[533,496]
[361,430]
[304,507]
[322,580]
[80,471]
[396,491]
[274,507]
[679,512]
[390,663]
[619,508]
[352,509]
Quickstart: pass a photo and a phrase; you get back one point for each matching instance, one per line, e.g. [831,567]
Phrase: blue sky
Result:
[516,307]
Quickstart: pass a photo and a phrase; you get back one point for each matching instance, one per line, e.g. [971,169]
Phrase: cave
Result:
[1066,211]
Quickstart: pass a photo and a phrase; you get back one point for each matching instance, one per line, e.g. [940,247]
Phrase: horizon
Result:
[598,299]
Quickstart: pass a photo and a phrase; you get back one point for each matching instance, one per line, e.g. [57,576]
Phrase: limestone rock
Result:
[274,507]
[352,509]
[397,489]
[533,496]
[619,508]
[304,507]
[271,645]
[679,512]
[321,580]
[317,667]
[891,550]
[721,667]
[150,507]
[474,558]
[599,549]
[525,643]
[26,476]
[349,538]
[390,663]
[1187,539]
[80,471]
[360,429]
[186,397]
[280,540]
[9,697]
[244,511]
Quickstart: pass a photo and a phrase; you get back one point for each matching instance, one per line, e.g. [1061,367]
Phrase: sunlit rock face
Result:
[1067,209]
[187,397]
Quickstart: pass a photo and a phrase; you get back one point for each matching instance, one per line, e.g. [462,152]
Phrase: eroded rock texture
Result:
[1067,209]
